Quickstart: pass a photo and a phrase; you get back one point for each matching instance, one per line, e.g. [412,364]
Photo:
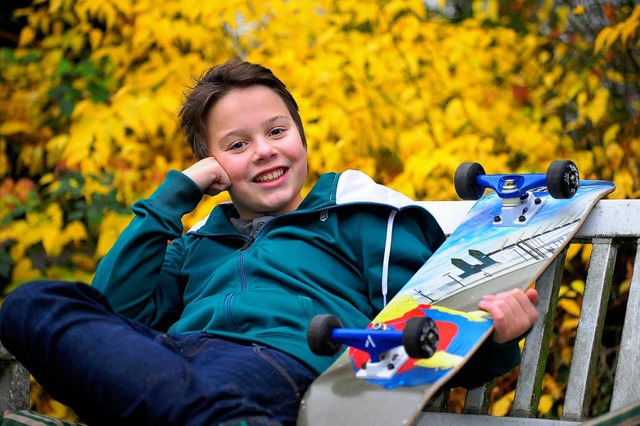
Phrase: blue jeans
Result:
[113,370]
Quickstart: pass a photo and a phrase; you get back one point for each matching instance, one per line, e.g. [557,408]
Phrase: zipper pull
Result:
[248,243]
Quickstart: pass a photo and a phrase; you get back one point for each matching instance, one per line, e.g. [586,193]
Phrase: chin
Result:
[275,208]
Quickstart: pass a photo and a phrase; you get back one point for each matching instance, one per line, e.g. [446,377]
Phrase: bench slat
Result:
[478,399]
[588,336]
[453,419]
[626,388]
[534,354]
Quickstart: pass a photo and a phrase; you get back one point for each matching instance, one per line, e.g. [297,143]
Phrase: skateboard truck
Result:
[519,204]
[388,348]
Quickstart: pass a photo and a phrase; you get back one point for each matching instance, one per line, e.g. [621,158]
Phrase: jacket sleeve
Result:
[140,275]
[490,361]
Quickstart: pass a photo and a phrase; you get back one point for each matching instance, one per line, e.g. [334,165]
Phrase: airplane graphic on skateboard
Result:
[431,328]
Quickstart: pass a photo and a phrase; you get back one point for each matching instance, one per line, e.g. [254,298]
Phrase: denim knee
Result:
[31,297]
[33,304]
[18,302]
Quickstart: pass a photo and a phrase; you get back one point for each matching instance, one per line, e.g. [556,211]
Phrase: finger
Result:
[513,313]
[222,184]
[527,301]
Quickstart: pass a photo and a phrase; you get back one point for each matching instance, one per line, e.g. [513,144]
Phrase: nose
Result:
[263,149]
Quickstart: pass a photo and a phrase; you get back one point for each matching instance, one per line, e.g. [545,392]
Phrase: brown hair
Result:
[217,82]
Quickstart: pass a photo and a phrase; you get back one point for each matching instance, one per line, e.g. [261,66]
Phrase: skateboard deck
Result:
[492,250]
[625,416]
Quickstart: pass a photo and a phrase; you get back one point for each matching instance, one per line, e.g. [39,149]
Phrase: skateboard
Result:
[625,416]
[432,326]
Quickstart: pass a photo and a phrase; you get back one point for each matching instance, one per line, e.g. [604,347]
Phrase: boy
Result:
[210,329]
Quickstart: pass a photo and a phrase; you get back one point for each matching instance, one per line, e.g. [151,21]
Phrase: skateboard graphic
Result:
[432,326]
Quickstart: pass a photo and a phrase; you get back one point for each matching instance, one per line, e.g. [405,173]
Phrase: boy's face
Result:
[252,135]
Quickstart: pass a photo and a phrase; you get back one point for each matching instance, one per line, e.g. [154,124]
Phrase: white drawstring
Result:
[387,255]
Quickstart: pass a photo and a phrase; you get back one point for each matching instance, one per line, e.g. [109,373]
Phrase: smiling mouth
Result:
[268,177]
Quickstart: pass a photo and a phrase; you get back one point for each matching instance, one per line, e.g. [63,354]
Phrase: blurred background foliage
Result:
[403,90]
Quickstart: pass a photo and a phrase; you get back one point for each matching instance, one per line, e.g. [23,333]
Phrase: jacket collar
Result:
[330,190]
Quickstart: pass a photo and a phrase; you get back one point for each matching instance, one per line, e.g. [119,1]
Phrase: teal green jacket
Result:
[349,247]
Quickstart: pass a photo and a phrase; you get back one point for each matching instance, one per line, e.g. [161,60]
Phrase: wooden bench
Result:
[612,224]
[14,383]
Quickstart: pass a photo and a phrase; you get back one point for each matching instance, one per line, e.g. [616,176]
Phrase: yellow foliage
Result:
[551,387]
[23,271]
[569,325]
[586,251]
[623,31]
[570,306]
[382,87]
[110,228]
[596,108]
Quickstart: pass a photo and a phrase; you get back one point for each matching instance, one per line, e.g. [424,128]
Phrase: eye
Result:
[278,131]
[237,145]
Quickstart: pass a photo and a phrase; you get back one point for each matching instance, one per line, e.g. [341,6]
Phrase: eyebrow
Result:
[241,131]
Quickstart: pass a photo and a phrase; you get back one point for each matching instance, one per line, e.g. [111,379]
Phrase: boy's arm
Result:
[140,275]
[490,361]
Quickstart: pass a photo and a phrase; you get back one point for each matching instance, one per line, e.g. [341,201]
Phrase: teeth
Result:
[270,176]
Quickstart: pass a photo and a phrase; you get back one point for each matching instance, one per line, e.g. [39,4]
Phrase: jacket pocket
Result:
[270,312]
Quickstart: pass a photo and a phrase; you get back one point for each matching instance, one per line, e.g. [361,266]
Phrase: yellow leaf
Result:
[502,406]
[565,354]
[551,386]
[110,228]
[625,286]
[629,27]
[75,232]
[624,182]
[578,10]
[50,240]
[604,39]
[27,36]
[597,108]
[578,286]
[95,37]
[570,306]
[13,127]
[586,253]
[57,410]
[23,271]
[610,134]
[49,226]
[545,404]
[569,324]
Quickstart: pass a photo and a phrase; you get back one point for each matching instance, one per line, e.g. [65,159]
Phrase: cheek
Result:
[234,168]
[299,153]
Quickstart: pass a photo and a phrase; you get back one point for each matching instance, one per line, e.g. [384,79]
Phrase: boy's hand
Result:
[209,175]
[513,313]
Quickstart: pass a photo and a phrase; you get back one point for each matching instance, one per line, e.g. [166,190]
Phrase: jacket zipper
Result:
[248,243]
[227,306]
[243,280]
